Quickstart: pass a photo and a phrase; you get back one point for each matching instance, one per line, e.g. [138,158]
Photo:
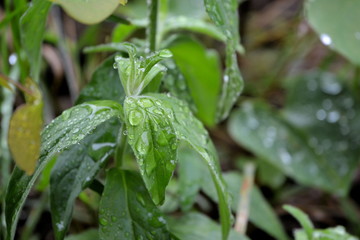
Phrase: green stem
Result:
[153,6]
[121,147]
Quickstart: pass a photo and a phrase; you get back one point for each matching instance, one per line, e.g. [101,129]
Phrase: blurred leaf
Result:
[327,113]
[302,218]
[342,32]
[187,8]
[195,226]
[75,169]
[190,130]
[106,47]
[258,128]
[91,234]
[191,174]
[270,175]
[123,2]
[261,213]
[122,31]
[202,74]
[4,82]
[127,211]
[89,11]
[104,85]
[32,26]
[24,136]
[66,130]
[153,140]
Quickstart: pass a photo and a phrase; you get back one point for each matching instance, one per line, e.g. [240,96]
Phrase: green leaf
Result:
[127,211]
[89,11]
[261,213]
[32,27]
[202,74]
[104,85]
[302,218]
[187,8]
[74,170]
[91,234]
[342,33]
[327,113]
[190,130]
[191,176]
[66,130]
[196,226]
[122,31]
[153,140]
[106,47]
[256,127]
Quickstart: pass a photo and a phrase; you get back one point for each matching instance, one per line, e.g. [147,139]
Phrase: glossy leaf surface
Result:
[202,75]
[104,85]
[192,132]
[336,22]
[75,169]
[127,211]
[91,234]
[32,26]
[24,136]
[195,226]
[89,11]
[66,130]
[260,212]
[152,137]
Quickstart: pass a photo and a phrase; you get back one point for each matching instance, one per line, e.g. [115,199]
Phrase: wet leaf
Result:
[153,140]
[261,213]
[342,33]
[196,226]
[91,234]
[75,169]
[24,136]
[202,75]
[326,112]
[66,130]
[89,11]
[32,27]
[127,211]
[189,130]
[256,127]
[104,85]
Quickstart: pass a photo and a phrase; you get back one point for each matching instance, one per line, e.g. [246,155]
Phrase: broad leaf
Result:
[195,226]
[187,8]
[74,170]
[261,213]
[127,211]
[336,22]
[153,140]
[24,136]
[104,85]
[91,234]
[32,26]
[202,74]
[66,130]
[89,11]
[190,130]
[327,113]
[259,129]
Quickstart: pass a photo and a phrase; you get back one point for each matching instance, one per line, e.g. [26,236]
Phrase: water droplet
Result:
[75,130]
[142,145]
[333,116]
[103,221]
[60,226]
[135,117]
[321,114]
[115,65]
[161,139]
[165,53]
[145,103]
[325,39]
[113,218]
[327,104]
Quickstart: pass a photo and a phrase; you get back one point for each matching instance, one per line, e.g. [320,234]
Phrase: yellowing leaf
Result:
[89,11]
[24,136]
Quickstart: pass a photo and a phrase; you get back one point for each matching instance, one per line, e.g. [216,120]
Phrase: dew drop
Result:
[135,117]
[103,221]
[325,39]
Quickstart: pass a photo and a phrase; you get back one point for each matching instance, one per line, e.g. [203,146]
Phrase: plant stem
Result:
[153,6]
[242,214]
[121,147]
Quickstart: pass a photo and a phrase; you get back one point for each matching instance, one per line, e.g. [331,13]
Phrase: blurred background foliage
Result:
[297,120]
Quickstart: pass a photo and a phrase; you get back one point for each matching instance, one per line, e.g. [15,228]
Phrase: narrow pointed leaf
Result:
[89,11]
[75,169]
[127,211]
[302,218]
[153,140]
[191,131]
[32,26]
[66,130]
